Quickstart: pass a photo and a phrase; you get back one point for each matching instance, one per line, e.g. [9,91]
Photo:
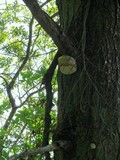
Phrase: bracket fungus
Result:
[92,145]
[67,64]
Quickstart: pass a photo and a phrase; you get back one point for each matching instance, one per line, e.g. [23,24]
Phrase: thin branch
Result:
[4,80]
[10,117]
[10,96]
[31,94]
[55,14]
[43,4]
[26,57]
[37,85]
[38,33]
[44,53]
[10,44]
[11,84]
[11,99]
[20,136]
[55,146]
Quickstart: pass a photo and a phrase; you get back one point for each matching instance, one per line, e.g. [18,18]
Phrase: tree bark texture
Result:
[88,100]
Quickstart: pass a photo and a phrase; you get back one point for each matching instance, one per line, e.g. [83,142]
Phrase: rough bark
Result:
[88,100]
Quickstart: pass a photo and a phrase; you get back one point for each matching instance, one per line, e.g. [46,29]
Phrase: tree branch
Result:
[55,146]
[11,84]
[49,97]
[43,19]
[10,117]
[63,42]
[50,71]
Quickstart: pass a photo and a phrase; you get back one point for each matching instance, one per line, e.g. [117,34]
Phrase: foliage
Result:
[26,52]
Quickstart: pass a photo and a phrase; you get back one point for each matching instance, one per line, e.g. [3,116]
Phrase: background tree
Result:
[88,100]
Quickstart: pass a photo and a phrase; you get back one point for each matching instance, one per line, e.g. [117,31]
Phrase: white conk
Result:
[92,145]
[67,64]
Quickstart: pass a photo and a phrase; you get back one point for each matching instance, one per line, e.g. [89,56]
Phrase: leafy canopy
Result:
[26,52]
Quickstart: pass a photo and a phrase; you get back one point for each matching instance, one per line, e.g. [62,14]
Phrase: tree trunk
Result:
[88,100]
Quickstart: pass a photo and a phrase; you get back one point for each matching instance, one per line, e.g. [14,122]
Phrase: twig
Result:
[38,33]
[10,44]
[28,91]
[20,135]
[4,80]
[43,4]
[30,96]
